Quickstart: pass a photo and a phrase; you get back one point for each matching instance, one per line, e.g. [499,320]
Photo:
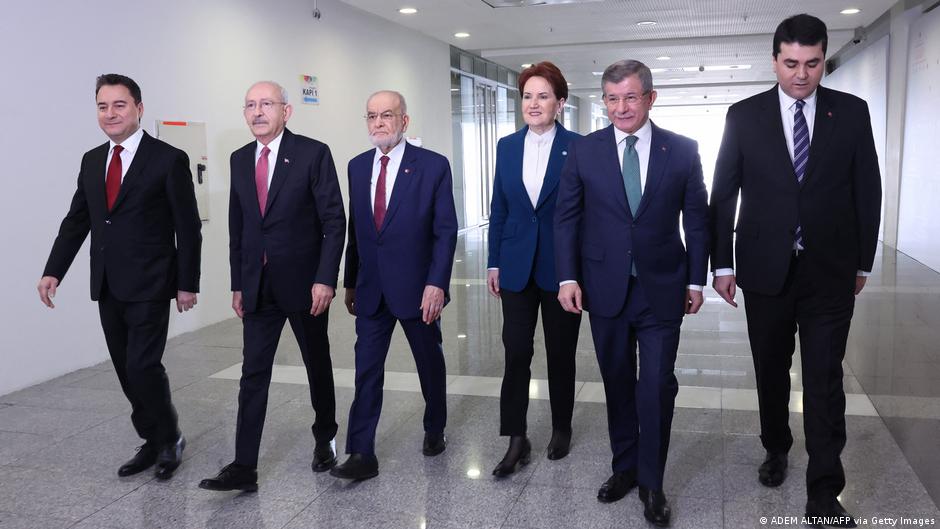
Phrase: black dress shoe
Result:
[617,486]
[169,458]
[559,445]
[655,507]
[324,457]
[516,456]
[773,470]
[233,477]
[357,466]
[434,443]
[145,457]
[828,513]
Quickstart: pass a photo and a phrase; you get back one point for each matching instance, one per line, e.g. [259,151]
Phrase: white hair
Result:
[401,99]
[276,85]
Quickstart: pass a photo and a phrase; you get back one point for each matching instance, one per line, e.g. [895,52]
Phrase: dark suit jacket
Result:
[597,239]
[415,246]
[838,204]
[149,243]
[302,230]
[521,240]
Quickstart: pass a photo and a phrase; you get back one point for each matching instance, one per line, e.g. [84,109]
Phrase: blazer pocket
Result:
[594,253]
[749,230]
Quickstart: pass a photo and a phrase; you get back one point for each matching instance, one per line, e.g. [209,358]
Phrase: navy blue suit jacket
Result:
[598,238]
[416,243]
[521,240]
[301,232]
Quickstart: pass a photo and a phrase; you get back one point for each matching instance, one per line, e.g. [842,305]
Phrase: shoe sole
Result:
[253,487]
[357,478]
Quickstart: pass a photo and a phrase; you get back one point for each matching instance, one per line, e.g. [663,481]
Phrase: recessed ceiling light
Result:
[407,10]
[851,11]
[663,58]
[527,65]
[592,96]
[646,23]
[597,73]
[461,34]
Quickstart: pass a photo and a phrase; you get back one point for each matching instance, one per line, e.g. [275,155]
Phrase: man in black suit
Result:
[802,157]
[286,232]
[135,194]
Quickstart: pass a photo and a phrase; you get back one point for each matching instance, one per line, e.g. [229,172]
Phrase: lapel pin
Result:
[286,160]
[407,171]
[663,148]
[564,153]
[829,114]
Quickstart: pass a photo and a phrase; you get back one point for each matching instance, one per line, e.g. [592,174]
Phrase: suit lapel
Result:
[144,150]
[659,156]
[772,123]
[824,122]
[97,171]
[514,167]
[247,175]
[403,180]
[556,159]
[361,189]
[611,159]
[281,168]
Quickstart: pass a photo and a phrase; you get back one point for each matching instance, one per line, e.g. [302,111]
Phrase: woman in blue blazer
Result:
[521,266]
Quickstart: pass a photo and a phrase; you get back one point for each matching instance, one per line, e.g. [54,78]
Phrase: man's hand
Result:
[185,300]
[569,295]
[859,284]
[322,296]
[693,300]
[725,286]
[351,300]
[46,287]
[432,303]
[237,303]
[492,282]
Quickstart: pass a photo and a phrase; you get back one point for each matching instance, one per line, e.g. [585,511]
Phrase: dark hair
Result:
[803,29]
[620,70]
[111,79]
[550,73]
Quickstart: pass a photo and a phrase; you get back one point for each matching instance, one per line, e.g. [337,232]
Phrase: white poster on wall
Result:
[309,90]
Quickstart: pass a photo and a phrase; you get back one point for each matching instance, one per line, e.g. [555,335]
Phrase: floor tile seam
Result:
[54,408]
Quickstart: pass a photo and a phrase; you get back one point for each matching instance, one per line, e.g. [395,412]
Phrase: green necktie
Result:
[631,179]
[631,174]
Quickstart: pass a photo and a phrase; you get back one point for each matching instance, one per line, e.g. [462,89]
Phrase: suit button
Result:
[107,221]
[629,252]
[535,219]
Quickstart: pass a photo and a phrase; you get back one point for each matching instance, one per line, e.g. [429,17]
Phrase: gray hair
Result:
[279,88]
[620,70]
[401,99]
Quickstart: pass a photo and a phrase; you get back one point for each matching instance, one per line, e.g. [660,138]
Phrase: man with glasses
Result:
[402,238]
[620,256]
[286,232]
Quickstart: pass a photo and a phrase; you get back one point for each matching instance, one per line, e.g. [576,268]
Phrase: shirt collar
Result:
[787,102]
[546,137]
[643,134]
[396,154]
[131,143]
[273,145]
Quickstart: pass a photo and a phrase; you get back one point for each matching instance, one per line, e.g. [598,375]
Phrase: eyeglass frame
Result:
[386,116]
[266,105]
[615,100]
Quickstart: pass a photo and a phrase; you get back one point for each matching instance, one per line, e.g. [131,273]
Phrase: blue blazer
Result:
[521,240]
[416,243]
[301,233]
[598,238]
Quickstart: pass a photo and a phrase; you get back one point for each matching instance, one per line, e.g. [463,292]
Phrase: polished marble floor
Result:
[62,441]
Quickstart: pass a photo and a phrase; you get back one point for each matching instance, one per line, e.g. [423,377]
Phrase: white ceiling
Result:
[584,36]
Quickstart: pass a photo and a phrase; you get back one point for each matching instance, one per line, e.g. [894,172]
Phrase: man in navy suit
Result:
[286,231]
[402,237]
[617,235]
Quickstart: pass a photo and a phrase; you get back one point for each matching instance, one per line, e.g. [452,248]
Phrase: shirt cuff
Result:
[494,268]
[862,273]
[724,272]
[695,287]
[566,282]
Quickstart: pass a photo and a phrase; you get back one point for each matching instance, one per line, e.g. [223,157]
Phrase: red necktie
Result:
[378,208]
[112,184]
[261,178]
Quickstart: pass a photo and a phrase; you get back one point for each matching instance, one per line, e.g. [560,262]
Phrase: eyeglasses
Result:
[629,99]
[265,104]
[388,115]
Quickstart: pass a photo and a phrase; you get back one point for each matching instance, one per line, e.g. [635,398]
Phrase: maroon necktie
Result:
[378,208]
[261,178]
[112,184]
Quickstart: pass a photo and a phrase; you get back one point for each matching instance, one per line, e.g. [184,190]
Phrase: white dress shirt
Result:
[787,114]
[274,145]
[391,171]
[536,150]
[127,155]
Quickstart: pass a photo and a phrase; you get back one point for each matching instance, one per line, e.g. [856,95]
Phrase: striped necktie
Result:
[800,155]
